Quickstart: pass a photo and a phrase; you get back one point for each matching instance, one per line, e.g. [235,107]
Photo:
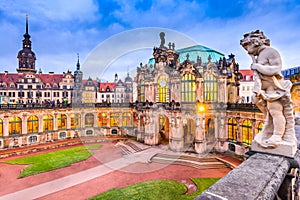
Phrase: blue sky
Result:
[60,29]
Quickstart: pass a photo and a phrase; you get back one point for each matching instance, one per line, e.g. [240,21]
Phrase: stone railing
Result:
[261,176]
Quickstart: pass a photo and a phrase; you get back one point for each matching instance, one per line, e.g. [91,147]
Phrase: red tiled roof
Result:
[45,78]
[246,72]
[50,78]
[103,86]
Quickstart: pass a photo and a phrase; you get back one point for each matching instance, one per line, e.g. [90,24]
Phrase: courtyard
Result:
[110,167]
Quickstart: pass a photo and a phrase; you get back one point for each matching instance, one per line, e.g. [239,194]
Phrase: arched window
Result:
[163,89]
[15,125]
[1,128]
[75,121]
[247,131]
[102,119]
[126,119]
[89,120]
[48,123]
[232,129]
[210,88]
[32,124]
[141,91]
[61,121]
[188,88]
[114,119]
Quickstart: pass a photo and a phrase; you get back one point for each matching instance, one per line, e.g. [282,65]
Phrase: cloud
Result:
[61,29]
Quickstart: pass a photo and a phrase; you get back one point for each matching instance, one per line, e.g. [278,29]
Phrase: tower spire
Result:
[78,64]
[26,15]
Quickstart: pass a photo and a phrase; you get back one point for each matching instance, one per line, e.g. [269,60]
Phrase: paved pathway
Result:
[74,179]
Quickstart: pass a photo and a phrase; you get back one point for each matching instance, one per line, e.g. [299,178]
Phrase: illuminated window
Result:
[32,124]
[89,120]
[61,121]
[161,122]
[126,119]
[232,129]
[210,88]
[141,91]
[114,119]
[48,123]
[1,128]
[102,119]
[163,89]
[188,88]
[260,127]
[247,131]
[135,119]
[15,126]
[75,121]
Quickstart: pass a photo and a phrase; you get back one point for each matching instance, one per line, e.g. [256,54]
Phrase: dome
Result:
[201,51]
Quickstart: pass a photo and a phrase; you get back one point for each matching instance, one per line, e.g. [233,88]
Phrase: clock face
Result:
[162,83]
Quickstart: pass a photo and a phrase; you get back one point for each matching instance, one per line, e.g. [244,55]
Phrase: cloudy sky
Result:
[60,29]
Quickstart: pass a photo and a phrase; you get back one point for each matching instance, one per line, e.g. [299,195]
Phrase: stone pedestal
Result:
[284,149]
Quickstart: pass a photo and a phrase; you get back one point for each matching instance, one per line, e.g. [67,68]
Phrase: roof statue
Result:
[272,96]
[162,40]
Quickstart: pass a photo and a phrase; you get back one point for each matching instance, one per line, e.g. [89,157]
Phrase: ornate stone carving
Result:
[271,92]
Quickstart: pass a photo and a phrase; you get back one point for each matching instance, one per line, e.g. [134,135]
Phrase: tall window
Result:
[61,122]
[75,121]
[15,125]
[210,88]
[89,120]
[163,89]
[188,88]
[260,127]
[32,124]
[126,119]
[247,131]
[1,128]
[114,119]
[141,91]
[232,129]
[102,119]
[48,123]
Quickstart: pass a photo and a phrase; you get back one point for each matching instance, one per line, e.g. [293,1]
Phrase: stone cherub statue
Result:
[271,92]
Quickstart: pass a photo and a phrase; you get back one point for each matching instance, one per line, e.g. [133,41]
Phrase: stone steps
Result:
[199,163]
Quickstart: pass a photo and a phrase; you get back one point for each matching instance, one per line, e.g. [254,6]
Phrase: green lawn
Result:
[53,160]
[157,189]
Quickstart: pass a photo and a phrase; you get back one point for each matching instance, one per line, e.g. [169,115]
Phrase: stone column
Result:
[5,126]
[200,142]
[24,124]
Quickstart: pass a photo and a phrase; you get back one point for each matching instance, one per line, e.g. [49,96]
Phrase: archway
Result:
[164,129]
[189,130]
[210,133]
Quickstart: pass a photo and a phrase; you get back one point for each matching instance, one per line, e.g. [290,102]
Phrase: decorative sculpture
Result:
[162,40]
[271,93]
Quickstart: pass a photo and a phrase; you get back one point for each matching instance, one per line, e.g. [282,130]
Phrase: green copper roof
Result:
[201,51]
[195,51]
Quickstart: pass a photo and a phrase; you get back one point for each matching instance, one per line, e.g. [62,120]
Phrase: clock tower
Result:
[26,56]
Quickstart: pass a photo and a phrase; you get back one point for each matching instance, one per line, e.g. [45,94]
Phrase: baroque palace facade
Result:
[186,98]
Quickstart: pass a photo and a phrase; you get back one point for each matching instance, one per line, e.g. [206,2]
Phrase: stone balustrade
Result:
[261,176]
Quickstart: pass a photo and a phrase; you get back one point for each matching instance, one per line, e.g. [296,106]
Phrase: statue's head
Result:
[255,37]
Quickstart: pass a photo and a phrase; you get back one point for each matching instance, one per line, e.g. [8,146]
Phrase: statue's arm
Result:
[273,65]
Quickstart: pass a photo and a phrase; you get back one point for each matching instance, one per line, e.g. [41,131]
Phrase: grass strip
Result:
[156,189]
[53,160]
